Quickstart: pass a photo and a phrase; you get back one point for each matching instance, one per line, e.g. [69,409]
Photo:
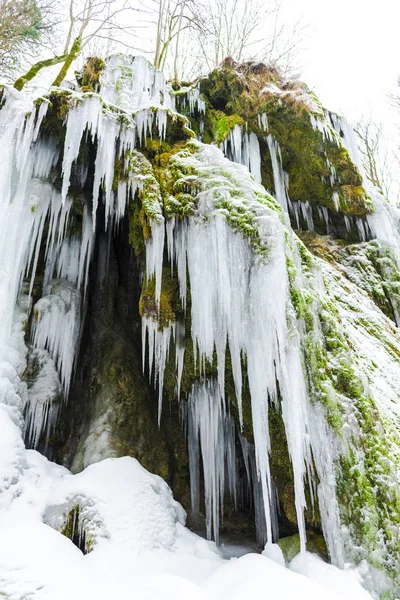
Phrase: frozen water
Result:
[244,148]
[280,177]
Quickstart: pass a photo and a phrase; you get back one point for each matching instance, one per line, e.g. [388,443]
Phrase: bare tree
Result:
[87,20]
[251,30]
[174,17]
[395,102]
[377,160]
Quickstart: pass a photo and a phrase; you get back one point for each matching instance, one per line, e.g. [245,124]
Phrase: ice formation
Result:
[226,312]
[131,83]
[244,148]
[280,177]
[234,257]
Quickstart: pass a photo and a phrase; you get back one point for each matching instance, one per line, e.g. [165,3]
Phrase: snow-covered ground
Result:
[139,545]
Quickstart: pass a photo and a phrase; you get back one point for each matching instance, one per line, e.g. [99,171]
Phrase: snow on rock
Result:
[135,509]
[12,458]
[254,576]
[345,583]
[132,83]
[273,552]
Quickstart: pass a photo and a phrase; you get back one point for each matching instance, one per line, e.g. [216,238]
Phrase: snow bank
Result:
[139,543]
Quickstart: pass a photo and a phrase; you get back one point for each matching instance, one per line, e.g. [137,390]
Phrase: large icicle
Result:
[90,115]
[206,412]
[23,207]
[211,432]
[131,83]
[159,341]
[239,300]
[280,177]
[244,148]
[44,399]
[57,326]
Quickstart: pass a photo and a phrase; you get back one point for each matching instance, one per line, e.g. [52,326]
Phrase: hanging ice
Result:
[226,285]
[244,148]
[206,414]
[131,83]
[280,177]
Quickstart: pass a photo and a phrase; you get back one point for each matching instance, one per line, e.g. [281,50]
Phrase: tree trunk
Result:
[76,48]
[34,70]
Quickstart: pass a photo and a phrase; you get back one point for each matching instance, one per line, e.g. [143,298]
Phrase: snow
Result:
[342,582]
[141,545]
[273,552]
[254,576]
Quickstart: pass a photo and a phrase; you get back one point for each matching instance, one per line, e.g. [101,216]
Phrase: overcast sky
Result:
[352,59]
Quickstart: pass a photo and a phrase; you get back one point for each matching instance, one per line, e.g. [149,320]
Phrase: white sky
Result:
[352,59]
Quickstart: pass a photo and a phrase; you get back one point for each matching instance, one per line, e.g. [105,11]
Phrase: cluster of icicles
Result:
[28,204]
[243,147]
[32,208]
[240,304]
[237,303]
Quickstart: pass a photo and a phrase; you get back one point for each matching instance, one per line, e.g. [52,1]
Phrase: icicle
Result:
[244,148]
[226,286]
[319,123]
[179,354]
[306,211]
[325,450]
[23,205]
[89,115]
[57,325]
[194,462]
[280,181]
[162,123]
[230,457]
[335,198]
[78,119]
[263,121]
[255,157]
[196,102]
[348,138]
[324,216]
[207,414]
[131,83]
[154,255]
[294,209]
[159,341]
[361,229]
[43,404]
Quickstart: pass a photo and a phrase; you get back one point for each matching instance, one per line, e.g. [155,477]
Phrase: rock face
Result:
[212,289]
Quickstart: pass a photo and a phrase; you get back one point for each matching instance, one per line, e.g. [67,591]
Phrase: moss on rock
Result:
[89,77]
[319,168]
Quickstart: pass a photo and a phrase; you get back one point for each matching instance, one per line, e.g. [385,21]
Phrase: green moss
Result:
[281,466]
[60,103]
[222,124]
[74,530]
[89,77]
[135,171]
[241,93]
[290,545]
[170,304]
